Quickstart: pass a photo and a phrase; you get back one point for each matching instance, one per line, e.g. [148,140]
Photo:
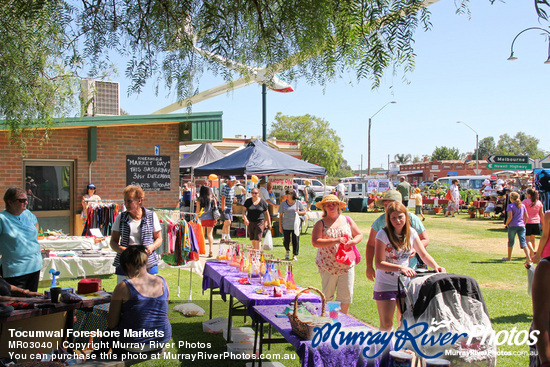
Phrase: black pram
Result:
[453,304]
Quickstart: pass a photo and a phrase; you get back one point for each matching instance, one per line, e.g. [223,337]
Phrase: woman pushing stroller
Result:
[394,245]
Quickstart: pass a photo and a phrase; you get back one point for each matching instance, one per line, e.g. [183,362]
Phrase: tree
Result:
[45,44]
[344,170]
[319,142]
[37,69]
[402,158]
[520,144]
[445,153]
[486,148]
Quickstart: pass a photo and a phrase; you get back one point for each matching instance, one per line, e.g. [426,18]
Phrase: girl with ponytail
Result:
[517,217]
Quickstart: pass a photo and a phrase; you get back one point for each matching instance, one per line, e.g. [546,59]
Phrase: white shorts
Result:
[343,282]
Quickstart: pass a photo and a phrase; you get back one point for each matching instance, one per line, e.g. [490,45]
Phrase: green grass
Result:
[462,245]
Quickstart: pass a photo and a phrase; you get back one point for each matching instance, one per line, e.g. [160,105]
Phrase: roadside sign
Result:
[515,159]
[509,166]
[157,150]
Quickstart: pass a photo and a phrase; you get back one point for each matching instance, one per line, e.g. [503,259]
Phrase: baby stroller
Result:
[450,303]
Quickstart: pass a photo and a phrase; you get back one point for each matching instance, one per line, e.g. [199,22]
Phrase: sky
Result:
[461,74]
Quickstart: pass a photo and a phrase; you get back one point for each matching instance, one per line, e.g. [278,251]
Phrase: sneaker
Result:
[286,256]
[294,258]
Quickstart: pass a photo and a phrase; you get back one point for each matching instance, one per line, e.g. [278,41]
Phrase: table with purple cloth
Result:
[226,278]
[323,355]
[212,278]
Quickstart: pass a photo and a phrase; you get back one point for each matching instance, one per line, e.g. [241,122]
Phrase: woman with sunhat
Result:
[327,235]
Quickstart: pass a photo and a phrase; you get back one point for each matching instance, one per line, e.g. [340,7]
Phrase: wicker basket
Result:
[305,329]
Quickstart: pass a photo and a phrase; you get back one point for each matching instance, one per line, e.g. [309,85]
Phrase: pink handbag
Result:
[350,256]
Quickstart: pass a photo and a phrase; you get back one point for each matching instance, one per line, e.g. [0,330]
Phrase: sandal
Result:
[210,254]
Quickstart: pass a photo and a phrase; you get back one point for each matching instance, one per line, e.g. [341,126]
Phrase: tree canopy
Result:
[520,144]
[445,153]
[318,141]
[45,45]
[402,158]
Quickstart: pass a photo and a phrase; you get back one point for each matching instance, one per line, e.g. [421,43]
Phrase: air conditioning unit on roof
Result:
[100,98]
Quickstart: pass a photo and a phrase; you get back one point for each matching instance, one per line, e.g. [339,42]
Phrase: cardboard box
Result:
[237,209]
[273,209]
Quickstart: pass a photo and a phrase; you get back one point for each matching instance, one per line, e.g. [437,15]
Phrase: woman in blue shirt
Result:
[21,259]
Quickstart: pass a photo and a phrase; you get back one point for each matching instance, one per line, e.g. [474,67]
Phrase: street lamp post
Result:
[512,57]
[368,141]
[477,145]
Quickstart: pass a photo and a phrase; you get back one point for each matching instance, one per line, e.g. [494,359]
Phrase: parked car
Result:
[425,184]
[318,187]
[361,189]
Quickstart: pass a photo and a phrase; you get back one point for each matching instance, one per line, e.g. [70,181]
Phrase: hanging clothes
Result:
[101,216]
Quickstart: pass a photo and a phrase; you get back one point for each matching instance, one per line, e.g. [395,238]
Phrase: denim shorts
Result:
[520,231]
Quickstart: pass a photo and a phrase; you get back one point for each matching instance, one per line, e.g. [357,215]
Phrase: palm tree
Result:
[402,158]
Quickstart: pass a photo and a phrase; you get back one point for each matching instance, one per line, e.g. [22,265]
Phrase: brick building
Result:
[432,170]
[94,150]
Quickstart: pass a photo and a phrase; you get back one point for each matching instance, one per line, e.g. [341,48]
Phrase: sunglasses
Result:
[255,193]
[22,200]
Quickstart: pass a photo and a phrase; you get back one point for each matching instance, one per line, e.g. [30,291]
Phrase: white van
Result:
[465,182]
[361,189]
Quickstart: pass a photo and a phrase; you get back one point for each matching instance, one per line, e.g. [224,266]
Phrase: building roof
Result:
[124,120]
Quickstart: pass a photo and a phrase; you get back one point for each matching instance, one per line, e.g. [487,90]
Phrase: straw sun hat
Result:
[330,199]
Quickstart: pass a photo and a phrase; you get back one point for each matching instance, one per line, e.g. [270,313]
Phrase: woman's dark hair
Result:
[11,194]
[292,193]
[134,256]
[533,195]
[204,196]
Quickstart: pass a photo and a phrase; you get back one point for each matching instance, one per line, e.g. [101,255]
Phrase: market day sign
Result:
[152,173]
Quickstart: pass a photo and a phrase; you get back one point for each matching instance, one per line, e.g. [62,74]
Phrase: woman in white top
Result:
[136,226]
[394,245]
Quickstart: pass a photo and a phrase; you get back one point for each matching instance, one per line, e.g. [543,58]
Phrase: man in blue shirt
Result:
[228,196]
[380,222]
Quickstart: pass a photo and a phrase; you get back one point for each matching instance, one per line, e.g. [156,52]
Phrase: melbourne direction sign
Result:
[508,162]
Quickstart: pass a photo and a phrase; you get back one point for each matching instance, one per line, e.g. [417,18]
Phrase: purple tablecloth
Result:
[217,272]
[249,298]
[323,355]
[226,278]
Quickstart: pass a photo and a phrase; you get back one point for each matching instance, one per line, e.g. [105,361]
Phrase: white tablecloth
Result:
[74,243]
[77,267]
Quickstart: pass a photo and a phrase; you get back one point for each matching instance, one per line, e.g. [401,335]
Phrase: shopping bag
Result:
[297,225]
[449,196]
[268,241]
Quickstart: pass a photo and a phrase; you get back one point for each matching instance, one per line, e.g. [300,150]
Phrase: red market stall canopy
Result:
[204,154]
[258,158]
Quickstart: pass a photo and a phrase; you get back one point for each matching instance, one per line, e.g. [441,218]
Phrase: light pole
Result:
[512,57]
[368,141]
[477,145]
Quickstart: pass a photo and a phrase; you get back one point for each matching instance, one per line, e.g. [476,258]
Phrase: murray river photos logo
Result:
[417,336]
